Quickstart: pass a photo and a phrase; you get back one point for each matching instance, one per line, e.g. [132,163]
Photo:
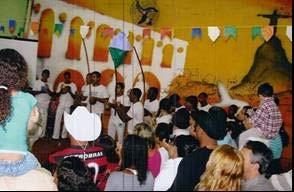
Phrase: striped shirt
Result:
[267,118]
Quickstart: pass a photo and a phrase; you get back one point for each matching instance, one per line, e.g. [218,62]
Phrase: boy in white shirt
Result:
[152,103]
[135,113]
[42,91]
[116,125]
[66,90]
[99,94]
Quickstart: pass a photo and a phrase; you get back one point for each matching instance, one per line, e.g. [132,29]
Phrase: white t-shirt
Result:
[164,156]
[85,91]
[164,119]
[136,112]
[124,100]
[43,98]
[152,106]
[66,99]
[205,108]
[167,175]
[99,91]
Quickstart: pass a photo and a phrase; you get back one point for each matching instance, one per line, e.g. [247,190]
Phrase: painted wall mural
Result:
[46,33]
[102,42]
[74,40]
[102,30]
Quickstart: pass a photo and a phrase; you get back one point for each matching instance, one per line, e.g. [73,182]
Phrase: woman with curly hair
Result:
[133,175]
[224,170]
[18,113]
[72,174]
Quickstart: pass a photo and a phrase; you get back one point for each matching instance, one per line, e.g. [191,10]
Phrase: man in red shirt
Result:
[83,127]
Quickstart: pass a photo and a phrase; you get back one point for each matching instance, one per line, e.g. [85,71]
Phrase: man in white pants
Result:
[99,94]
[66,91]
[116,125]
[42,90]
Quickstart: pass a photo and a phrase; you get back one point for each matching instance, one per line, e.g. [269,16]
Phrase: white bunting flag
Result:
[213,33]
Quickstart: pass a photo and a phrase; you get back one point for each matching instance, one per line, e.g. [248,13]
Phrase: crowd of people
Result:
[175,144]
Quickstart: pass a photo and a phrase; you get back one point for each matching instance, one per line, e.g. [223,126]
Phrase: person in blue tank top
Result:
[18,113]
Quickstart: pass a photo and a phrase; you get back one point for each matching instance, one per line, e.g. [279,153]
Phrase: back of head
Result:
[135,154]
[109,146]
[137,92]
[152,93]
[165,104]
[13,75]
[213,122]
[181,118]
[265,90]
[261,154]
[174,99]
[74,175]
[224,170]
[163,131]
[186,144]
[193,100]
[145,131]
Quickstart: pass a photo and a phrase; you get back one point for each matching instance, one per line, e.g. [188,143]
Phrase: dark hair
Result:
[137,92]
[67,73]
[174,99]
[181,118]
[232,110]
[46,71]
[135,153]
[13,75]
[163,131]
[153,91]
[121,84]
[96,73]
[185,144]
[265,90]
[109,146]
[193,100]
[246,108]
[74,175]
[261,154]
[164,104]
[203,94]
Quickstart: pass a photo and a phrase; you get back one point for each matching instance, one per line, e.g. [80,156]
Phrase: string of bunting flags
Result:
[214,32]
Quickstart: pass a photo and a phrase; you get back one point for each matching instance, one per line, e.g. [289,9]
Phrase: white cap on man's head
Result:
[82,125]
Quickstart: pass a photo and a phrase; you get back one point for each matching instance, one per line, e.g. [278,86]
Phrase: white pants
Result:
[116,127]
[58,117]
[44,115]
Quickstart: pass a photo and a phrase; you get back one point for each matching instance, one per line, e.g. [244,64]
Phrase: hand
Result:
[171,149]
[247,123]
[92,100]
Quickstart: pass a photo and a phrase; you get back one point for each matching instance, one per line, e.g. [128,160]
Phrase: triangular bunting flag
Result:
[11,25]
[58,29]
[118,48]
[255,32]
[230,31]
[196,32]
[167,31]
[213,33]
[289,32]
[267,32]
[146,32]
[20,32]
